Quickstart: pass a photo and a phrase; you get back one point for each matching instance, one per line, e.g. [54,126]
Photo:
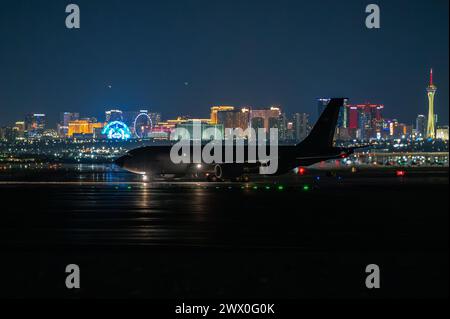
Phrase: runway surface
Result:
[290,237]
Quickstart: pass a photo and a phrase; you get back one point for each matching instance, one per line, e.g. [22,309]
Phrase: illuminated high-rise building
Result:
[206,130]
[155,117]
[431,91]
[421,125]
[300,125]
[8,133]
[366,118]
[216,109]
[20,127]
[232,119]
[65,118]
[113,115]
[35,124]
[353,117]
[442,133]
[265,118]
[35,121]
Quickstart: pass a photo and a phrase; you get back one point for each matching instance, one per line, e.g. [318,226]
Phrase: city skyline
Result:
[93,68]
[135,108]
[363,121]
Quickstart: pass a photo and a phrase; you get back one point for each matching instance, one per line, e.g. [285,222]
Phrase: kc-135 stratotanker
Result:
[318,146]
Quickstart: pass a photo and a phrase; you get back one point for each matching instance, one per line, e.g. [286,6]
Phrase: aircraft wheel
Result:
[331,174]
[214,179]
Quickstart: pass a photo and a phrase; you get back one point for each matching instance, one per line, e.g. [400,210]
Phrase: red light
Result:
[400,173]
[344,155]
[301,171]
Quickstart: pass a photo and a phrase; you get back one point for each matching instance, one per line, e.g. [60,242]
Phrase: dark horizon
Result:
[183,57]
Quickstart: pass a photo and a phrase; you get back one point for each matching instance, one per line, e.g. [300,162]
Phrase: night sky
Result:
[181,57]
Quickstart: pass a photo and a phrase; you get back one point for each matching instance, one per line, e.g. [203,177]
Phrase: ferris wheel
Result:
[141,122]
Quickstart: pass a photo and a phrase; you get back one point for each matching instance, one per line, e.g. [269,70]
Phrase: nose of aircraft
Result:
[121,161]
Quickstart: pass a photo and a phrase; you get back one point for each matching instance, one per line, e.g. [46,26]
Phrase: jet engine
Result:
[228,171]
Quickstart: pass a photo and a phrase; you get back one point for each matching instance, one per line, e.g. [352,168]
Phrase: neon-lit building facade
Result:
[353,117]
[365,121]
[117,130]
[83,126]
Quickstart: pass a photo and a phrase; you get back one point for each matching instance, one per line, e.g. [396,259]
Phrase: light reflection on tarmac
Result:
[316,232]
[115,208]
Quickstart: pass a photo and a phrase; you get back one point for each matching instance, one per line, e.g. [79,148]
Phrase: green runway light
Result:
[267,187]
[129,187]
[306,188]
[255,187]
[280,188]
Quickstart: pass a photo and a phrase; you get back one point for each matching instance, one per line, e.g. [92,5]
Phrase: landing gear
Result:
[330,174]
[243,179]
[213,179]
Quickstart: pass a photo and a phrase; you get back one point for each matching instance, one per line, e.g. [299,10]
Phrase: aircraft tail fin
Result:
[322,134]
